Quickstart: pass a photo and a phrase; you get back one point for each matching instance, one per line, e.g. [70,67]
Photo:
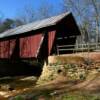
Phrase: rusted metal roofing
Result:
[34,26]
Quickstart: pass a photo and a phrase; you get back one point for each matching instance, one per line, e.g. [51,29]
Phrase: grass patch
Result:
[80,97]
[46,95]
[19,98]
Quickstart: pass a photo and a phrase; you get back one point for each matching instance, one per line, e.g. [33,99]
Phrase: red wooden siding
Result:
[30,45]
[51,37]
[6,48]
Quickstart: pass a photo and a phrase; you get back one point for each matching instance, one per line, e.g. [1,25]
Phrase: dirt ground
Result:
[26,87]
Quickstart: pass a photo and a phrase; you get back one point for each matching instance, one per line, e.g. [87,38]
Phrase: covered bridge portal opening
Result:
[66,35]
[24,49]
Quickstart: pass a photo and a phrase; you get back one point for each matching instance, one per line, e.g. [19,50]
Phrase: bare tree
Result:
[26,15]
[87,14]
[29,14]
[45,9]
[79,12]
[95,6]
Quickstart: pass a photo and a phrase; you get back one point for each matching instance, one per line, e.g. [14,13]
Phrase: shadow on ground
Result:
[16,68]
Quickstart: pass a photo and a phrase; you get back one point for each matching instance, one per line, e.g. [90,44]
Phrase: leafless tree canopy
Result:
[87,14]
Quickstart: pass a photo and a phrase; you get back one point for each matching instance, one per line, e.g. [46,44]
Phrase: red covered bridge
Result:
[39,39]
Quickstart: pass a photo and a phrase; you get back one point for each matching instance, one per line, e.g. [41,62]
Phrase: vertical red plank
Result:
[29,46]
[12,47]
[6,48]
[1,49]
[51,37]
[35,44]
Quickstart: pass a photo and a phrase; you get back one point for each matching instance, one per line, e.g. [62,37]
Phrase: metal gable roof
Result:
[33,26]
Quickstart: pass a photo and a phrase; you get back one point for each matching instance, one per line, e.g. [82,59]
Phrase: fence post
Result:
[57,49]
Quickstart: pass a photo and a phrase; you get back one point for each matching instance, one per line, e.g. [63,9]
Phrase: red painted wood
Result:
[29,45]
[6,48]
[51,37]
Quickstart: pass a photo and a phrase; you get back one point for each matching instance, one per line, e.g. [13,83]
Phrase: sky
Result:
[9,8]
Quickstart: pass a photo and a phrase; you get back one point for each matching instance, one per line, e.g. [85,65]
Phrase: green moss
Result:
[19,98]
[82,77]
